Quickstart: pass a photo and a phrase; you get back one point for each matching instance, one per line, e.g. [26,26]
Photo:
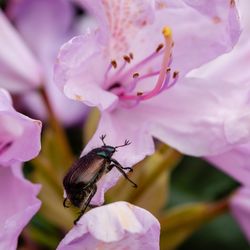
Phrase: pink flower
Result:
[233,70]
[240,208]
[129,67]
[18,205]
[19,141]
[118,225]
[19,134]
[28,17]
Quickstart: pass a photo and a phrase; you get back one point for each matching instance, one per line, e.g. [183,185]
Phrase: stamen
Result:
[131,56]
[114,64]
[127,59]
[160,46]
[135,75]
[167,33]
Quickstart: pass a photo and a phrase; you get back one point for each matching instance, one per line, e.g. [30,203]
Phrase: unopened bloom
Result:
[19,141]
[240,209]
[118,225]
[129,68]
[233,70]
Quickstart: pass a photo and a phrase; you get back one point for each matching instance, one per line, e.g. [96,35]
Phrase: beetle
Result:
[80,181]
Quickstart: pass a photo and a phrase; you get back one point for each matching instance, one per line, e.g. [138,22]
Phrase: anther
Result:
[160,46]
[168,70]
[127,59]
[139,93]
[135,75]
[114,64]
[175,74]
[131,56]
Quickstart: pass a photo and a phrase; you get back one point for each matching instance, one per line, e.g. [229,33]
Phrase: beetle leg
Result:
[64,203]
[123,173]
[118,164]
[102,137]
[93,191]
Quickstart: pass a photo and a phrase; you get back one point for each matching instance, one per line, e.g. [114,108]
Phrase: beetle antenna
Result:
[102,137]
[126,143]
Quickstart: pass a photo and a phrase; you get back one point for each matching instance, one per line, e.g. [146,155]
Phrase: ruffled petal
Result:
[240,208]
[126,227]
[18,68]
[19,135]
[18,205]
[202,30]
[80,69]
[232,66]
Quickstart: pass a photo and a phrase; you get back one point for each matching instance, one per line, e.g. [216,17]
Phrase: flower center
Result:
[165,80]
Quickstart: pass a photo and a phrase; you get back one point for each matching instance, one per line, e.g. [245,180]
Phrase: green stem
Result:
[56,126]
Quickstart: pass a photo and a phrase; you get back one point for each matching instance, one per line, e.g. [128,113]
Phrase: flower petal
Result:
[76,60]
[235,163]
[19,135]
[18,68]
[126,227]
[240,208]
[18,205]
[28,15]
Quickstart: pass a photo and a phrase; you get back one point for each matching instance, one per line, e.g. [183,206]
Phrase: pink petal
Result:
[235,163]
[118,225]
[19,135]
[28,15]
[18,68]
[76,60]
[18,205]
[232,66]
[240,208]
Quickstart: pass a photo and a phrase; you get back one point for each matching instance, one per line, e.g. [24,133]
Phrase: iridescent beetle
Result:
[80,182]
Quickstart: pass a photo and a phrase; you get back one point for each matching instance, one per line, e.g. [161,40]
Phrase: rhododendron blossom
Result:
[118,225]
[133,67]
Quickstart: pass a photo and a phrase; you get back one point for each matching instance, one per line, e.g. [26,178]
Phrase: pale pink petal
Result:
[240,208]
[18,68]
[76,60]
[233,66]
[18,205]
[202,30]
[235,163]
[29,15]
[119,127]
[118,225]
[19,134]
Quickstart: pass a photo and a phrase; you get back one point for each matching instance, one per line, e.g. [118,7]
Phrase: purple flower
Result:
[232,69]
[129,67]
[28,17]
[19,141]
[240,208]
[18,205]
[19,134]
[118,225]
